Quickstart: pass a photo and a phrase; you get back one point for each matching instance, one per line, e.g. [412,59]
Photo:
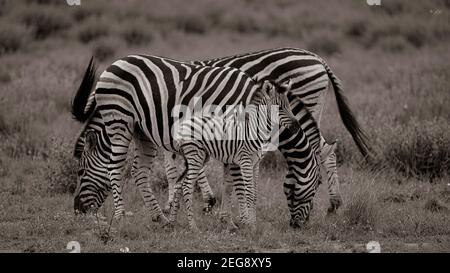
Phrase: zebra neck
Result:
[258,125]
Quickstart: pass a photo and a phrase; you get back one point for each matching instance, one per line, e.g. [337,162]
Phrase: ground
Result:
[392,60]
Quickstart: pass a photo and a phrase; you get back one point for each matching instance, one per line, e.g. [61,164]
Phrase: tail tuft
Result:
[347,116]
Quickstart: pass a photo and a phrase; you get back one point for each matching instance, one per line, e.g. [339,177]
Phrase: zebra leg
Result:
[172,175]
[240,189]
[207,194]
[119,149]
[328,160]
[254,193]
[250,191]
[195,160]
[145,152]
[225,206]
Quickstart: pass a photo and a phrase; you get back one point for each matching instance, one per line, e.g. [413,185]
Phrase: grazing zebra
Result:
[310,75]
[310,83]
[233,141]
[140,98]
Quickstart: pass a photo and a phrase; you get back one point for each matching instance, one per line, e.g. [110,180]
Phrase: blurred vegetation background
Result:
[392,59]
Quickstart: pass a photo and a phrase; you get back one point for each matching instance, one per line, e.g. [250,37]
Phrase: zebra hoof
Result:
[167,207]
[209,204]
[335,203]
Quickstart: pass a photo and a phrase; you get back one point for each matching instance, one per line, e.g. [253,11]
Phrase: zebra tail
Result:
[347,116]
[83,104]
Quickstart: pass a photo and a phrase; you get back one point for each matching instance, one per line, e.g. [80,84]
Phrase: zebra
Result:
[310,82]
[233,141]
[311,77]
[136,98]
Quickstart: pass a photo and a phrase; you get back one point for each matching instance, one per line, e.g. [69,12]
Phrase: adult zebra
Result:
[238,140]
[311,77]
[133,100]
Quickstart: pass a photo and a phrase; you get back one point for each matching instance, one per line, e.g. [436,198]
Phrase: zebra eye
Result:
[80,172]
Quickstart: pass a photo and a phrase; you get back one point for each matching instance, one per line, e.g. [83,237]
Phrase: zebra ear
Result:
[334,145]
[327,150]
[91,140]
[285,87]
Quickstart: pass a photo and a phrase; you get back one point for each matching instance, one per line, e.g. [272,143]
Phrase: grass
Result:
[393,63]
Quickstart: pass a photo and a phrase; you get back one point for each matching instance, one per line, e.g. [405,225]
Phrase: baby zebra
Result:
[239,140]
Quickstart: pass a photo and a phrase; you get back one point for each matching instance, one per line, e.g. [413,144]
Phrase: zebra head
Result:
[278,96]
[93,182]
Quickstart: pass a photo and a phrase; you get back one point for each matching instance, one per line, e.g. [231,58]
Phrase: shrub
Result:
[242,22]
[324,43]
[86,11]
[92,30]
[46,2]
[3,126]
[418,148]
[137,33]
[394,44]
[191,24]
[414,32]
[105,48]
[356,28]
[5,77]
[61,169]
[393,7]
[12,38]
[44,20]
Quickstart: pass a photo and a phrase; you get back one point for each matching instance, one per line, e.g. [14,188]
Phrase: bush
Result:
[61,170]
[3,126]
[191,24]
[324,43]
[44,20]
[394,7]
[105,48]
[394,44]
[242,22]
[420,149]
[92,30]
[5,77]
[414,32]
[137,33]
[357,28]
[12,38]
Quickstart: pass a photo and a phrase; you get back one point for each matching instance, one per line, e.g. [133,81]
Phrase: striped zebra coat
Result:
[239,140]
[311,77]
[135,98]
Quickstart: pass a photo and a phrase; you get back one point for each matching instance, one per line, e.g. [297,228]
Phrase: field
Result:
[393,60]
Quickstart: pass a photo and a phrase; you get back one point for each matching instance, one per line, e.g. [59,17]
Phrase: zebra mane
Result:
[80,101]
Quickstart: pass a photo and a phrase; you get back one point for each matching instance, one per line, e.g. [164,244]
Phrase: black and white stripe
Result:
[135,97]
[238,142]
[311,77]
